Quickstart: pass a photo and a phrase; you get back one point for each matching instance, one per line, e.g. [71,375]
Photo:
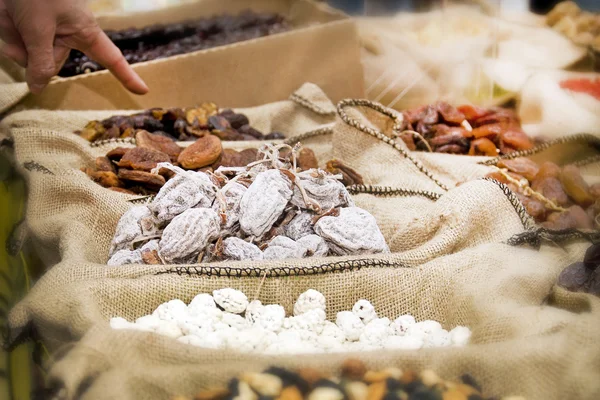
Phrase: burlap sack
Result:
[452,260]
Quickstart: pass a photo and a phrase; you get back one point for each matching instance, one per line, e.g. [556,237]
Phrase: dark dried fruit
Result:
[219,123]
[104,164]
[522,166]
[592,256]
[575,186]
[236,120]
[248,130]
[306,159]
[142,159]
[201,153]
[574,277]
[144,178]
[160,143]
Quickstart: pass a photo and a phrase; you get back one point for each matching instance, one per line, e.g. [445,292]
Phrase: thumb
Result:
[38,38]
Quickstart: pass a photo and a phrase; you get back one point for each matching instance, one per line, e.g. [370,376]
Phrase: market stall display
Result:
[426,229]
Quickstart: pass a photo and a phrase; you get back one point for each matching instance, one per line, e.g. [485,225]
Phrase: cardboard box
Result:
[323,48]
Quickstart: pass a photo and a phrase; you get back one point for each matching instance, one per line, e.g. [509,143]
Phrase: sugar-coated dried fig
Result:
[483,147]
[160,143]
[105,178]
[144,178]
[548,170]
[142,159]
[575,186]
[117,153]
[551,189]
[574,277]
[104,164]
[592,256]
[522,166]
[203,152]
[306,159]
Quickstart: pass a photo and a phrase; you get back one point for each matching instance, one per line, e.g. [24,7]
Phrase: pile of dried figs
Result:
[558,198]
[583,276]
[354,381]
[268,209]
[181,124]
[468,129]
[160,41]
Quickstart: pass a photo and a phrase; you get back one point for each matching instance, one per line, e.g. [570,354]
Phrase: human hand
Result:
[39,34]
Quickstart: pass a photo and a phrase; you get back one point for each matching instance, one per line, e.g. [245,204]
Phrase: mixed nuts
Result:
[181,124]
[583,276]
[557,198]
[228,320]
[268,209]
[354,381]
[468,129]
[160,41]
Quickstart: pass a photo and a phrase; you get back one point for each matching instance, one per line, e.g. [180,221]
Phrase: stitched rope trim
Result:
[98,143]
[380,135]
[328,130]
[526,219]
[388,191]
[304,102]
[229,272]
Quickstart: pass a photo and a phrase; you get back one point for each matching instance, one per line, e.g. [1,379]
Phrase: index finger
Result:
[104,51]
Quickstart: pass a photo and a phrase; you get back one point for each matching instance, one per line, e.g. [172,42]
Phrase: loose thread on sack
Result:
[260,285]
[528,191]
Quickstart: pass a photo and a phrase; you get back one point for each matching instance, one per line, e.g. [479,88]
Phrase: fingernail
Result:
[36,88]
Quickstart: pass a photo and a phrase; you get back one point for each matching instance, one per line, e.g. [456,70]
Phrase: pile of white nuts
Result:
[227,320]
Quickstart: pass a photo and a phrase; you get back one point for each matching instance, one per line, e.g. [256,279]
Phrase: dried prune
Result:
[203,152]
[248,130]
[574,277]
[237,120]
[592,256]
[522,166]
[575,186]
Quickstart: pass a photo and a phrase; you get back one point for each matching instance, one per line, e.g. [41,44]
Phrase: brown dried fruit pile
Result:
[583,276]
[558,198]
[275,208]
[467,129]
[178,123]
[354,382]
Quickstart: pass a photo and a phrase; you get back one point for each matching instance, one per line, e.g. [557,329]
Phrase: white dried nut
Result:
[426,327]
[376,332]
[201,301]
[300,226]
[403,343]
[286,347]
[321,187]
[326,393]
[364,310]
[312,320]
[438,338]
[120,323]
[237,249]
[329,343]
[353,231]
[332,330]
[124,257]
[195,326]
[309,300]
[148,321]
[253,310]
[189,233]
[314,245]
[128,228]
[231,300]
[227,204]
[214,340]
[281,247]
[209,313]
[460,336]
[401,324]
[182,192]
[350,324]
[235,321]
[289,335]
[170,329]
[264,201]
[171,311]
[271,317]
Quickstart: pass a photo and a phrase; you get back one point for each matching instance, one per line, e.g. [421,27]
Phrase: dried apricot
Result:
[104,164]
[160,143]
[548,170]
[142,159]
[575,186]
[144,178]
[483,147]
[551,189]
[521,166]
[203,152]
[306,159]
